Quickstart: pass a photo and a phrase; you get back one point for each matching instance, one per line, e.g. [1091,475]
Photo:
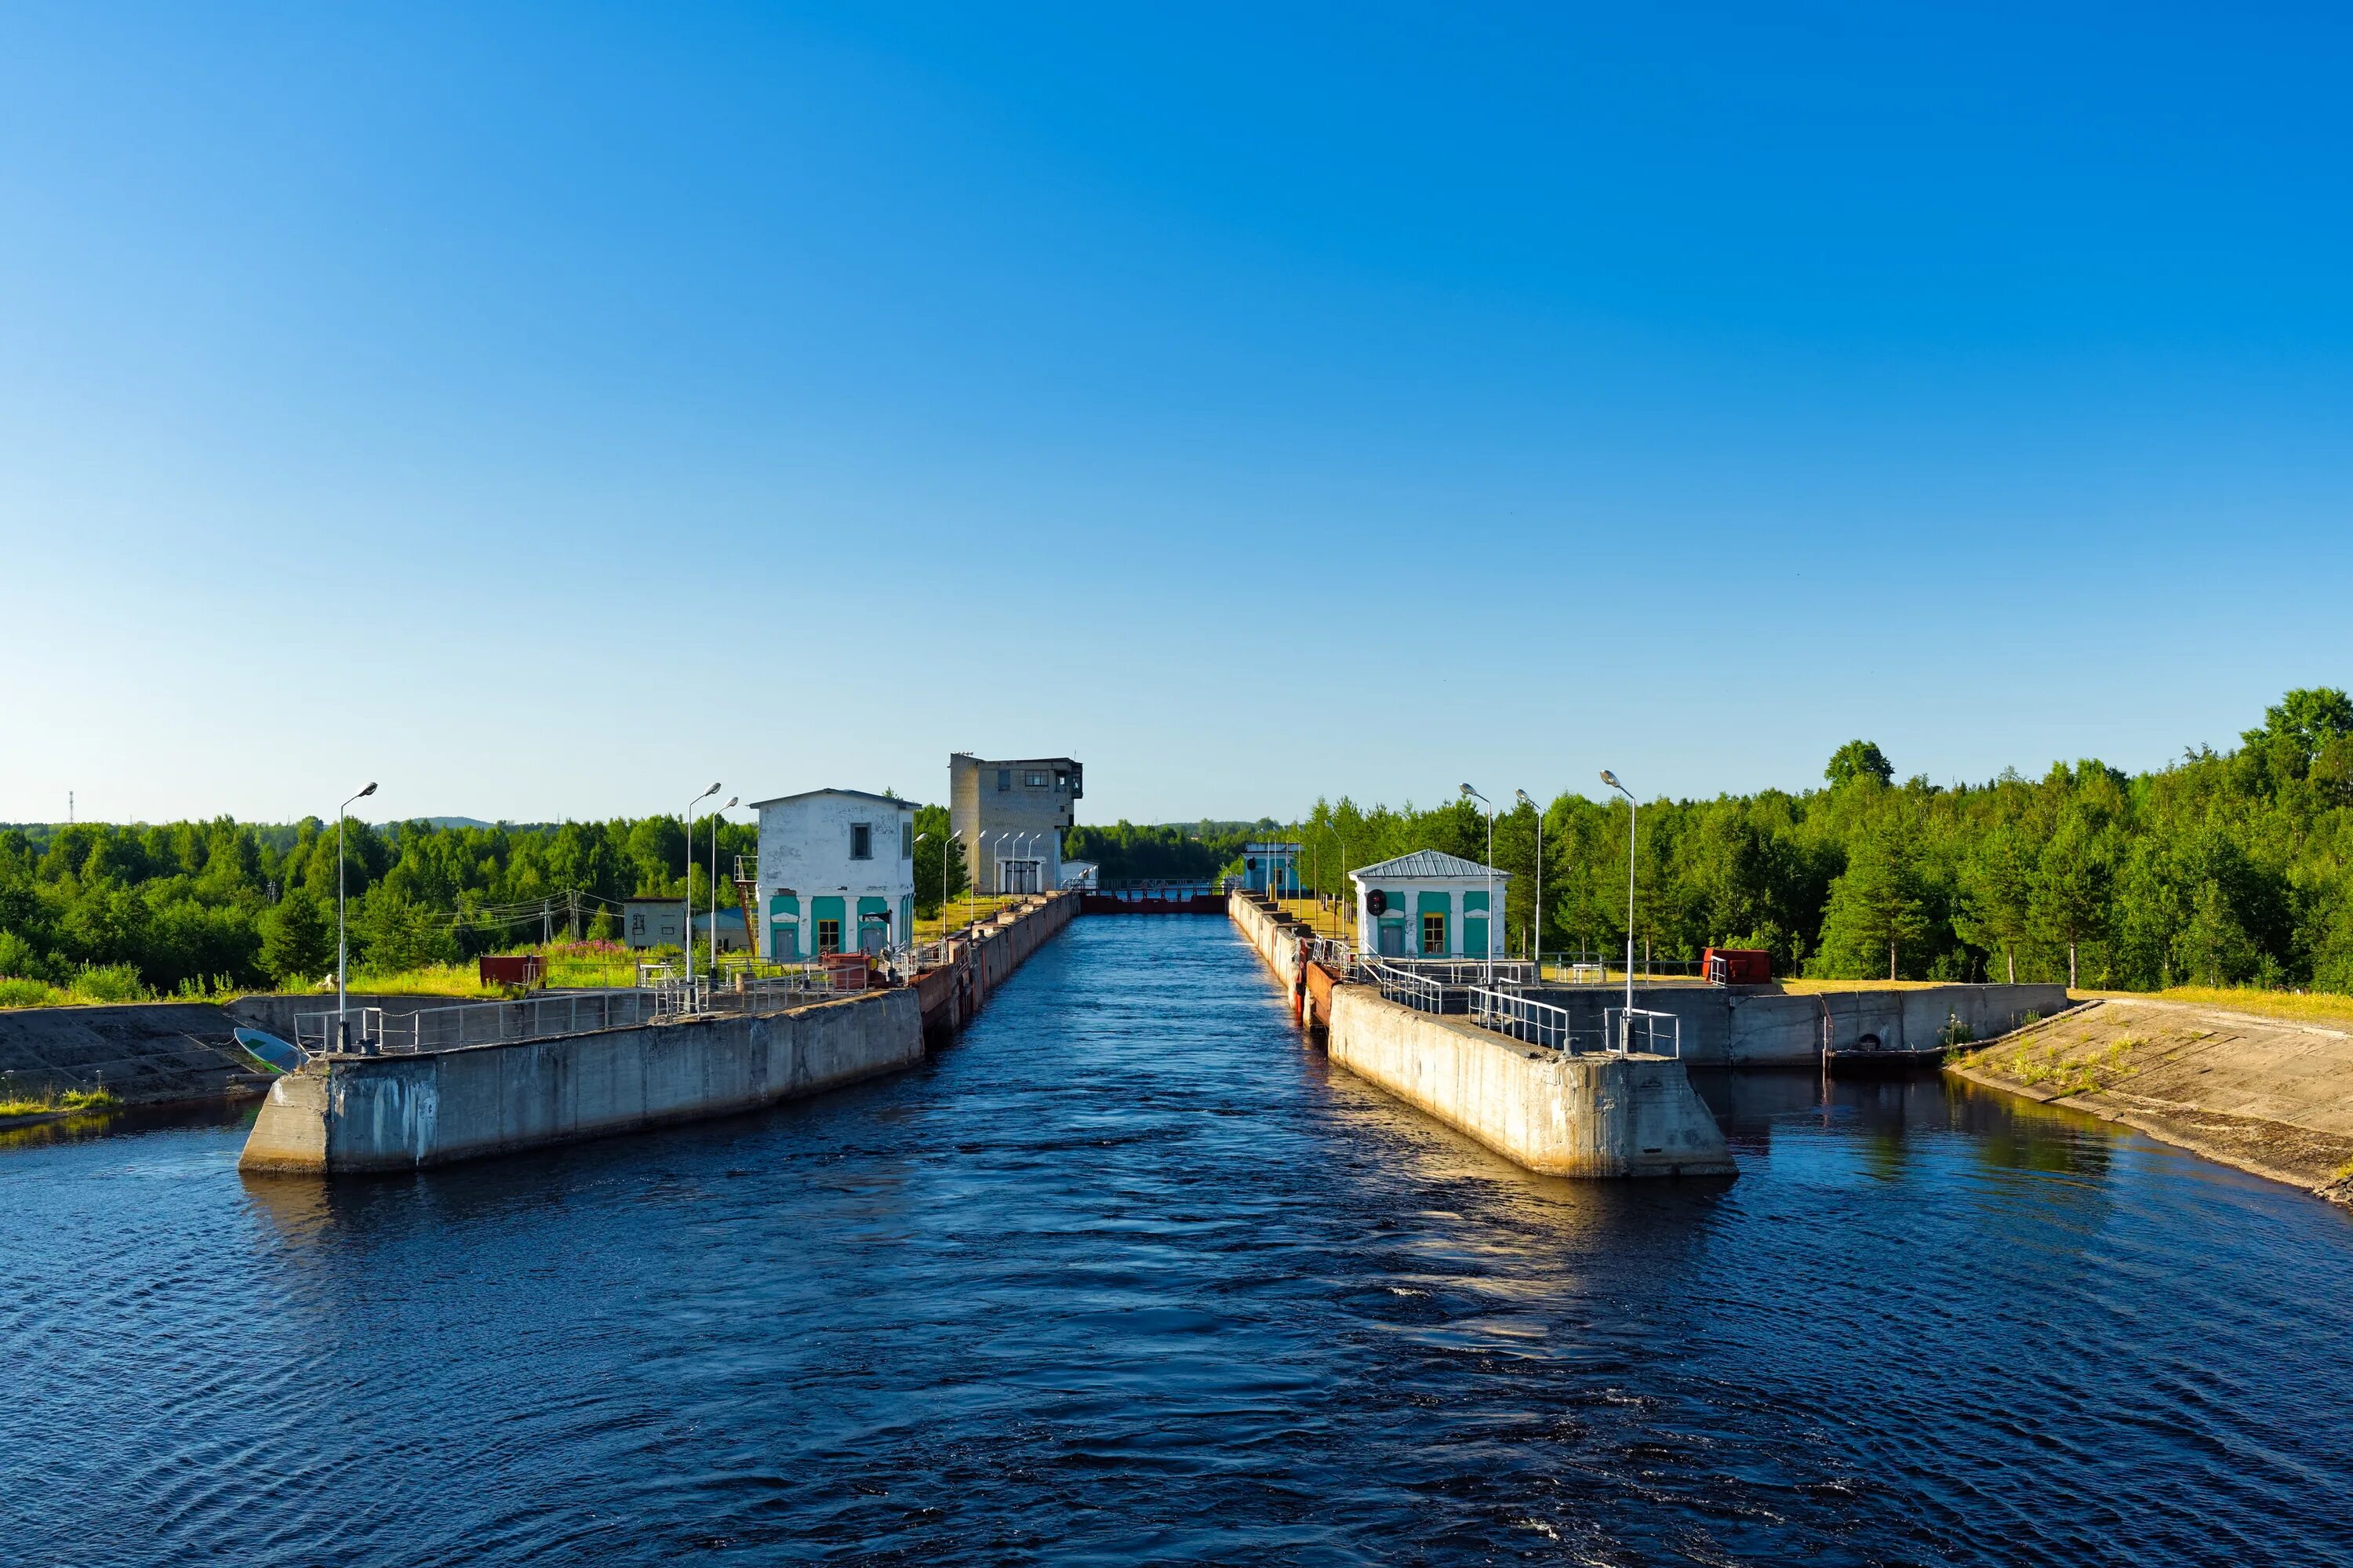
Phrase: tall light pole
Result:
[972,883]
[715,890]
[1489,969]
[1535,928]
[690,886]
[950,840]
[1341,840]
[342,938]
[1626,1021]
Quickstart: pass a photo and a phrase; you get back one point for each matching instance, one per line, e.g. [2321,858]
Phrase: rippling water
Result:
[1129,1274]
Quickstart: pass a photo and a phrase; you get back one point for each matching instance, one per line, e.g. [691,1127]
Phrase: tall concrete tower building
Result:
[1010,816]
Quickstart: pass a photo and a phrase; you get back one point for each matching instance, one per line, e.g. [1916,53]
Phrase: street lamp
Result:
[1471,794]
[1342,838]
[714,892]
[342,938]
[1626,1023]
[1536,930]
[972,883]
[690,886]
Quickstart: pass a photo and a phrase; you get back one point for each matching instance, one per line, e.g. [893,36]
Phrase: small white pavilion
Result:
[1429,905]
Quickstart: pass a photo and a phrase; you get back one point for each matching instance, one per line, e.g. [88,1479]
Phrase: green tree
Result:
[298,940]
[1859,759]
[2073,880]
[936,855]
[1875,909]
[1998,896]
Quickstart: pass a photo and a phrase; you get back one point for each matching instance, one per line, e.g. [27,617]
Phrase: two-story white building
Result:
[1429,905]
[837,872]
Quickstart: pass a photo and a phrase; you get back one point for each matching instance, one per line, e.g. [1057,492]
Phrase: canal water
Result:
[1130,1274]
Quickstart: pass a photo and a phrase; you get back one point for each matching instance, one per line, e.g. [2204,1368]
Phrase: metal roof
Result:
[854,794]
[1427,865]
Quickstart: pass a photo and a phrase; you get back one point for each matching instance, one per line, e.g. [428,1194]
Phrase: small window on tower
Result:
[906,841]
[1005,778]
[861,840]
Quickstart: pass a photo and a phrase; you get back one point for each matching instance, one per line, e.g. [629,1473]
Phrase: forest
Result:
[2225,867]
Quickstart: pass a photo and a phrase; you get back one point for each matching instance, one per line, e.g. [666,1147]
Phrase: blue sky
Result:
[544,410]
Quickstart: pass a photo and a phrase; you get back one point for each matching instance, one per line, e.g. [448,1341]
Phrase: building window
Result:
[1004,778]
[1035,781]
[829,936]
[1061,782]
[638,925]
[861,840]
[906,841]
[1433,933]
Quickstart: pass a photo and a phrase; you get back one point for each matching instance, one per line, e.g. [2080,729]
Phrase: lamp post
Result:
[1535,928]
[714,891]
[343,937]
[690,887]
[1488,967]
[1626,1021]
[1341,840]
[972,883]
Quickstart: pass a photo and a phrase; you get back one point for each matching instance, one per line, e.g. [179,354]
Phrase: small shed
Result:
[1272,867]
[652,922]
[1429,905]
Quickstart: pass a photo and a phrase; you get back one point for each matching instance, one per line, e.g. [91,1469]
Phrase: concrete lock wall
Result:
[1563,1116]
[393,1113]
[350,1114]
[1560,1115]
[1740,1027]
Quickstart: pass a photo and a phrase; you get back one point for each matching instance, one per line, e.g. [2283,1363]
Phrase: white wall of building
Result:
[805,850]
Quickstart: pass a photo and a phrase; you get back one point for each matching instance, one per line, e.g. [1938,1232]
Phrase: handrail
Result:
[1645,1024]
[1404,986]
[1536,1022]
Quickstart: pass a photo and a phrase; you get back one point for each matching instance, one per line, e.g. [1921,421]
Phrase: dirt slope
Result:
[2265,1095]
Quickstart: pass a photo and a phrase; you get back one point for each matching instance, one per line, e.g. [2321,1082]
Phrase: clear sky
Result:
[547,409]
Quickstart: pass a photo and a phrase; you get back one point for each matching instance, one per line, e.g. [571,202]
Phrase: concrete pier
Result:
[1563,1115]
[352,1114]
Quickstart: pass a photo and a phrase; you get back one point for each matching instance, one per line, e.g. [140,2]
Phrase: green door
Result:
[1435,921]
[1475,925]
[826,914]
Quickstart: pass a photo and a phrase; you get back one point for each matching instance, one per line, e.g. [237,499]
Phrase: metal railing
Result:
[1335,953]
[1454,972]
[1536,1022]
[315,1031]
[1641,1030]
[1418,991]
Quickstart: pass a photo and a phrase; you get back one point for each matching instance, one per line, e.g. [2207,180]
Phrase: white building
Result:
[1432,905]
[837,872]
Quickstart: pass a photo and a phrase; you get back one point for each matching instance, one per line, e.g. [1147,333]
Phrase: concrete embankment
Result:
[2265,1095]
[1553,1113]
[350,1114]
[354,1114]
[1764,1026]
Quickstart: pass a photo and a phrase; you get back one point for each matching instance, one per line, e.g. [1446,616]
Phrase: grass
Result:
[933,928]
[71,1100]
[2301,1007]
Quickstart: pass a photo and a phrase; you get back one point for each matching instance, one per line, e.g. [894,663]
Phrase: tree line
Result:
[2227,867]
[223,903]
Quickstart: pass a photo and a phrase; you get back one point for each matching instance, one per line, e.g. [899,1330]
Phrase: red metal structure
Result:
[528,971]
[1737,966]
